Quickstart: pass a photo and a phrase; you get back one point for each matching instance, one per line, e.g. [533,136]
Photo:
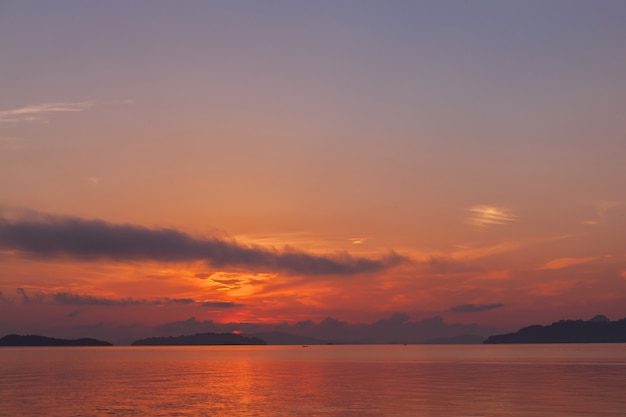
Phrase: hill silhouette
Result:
[597,330]
[200,339]
[36,340]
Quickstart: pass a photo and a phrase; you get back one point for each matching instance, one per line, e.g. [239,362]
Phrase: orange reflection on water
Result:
[509,381]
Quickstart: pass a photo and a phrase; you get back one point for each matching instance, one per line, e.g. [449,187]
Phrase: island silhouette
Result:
[200,339]
[36,340]
[597,330]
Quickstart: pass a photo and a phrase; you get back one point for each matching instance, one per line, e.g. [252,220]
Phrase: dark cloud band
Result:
[475,308]
[95,239]
[74,299]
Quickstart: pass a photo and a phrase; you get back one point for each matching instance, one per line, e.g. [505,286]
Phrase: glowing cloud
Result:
[35,112]
[564,263]
[357,240]
[490,215]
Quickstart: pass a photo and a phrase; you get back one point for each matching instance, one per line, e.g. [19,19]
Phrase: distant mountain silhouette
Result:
[200,339]
[35,340]
[597,330]
[464,339]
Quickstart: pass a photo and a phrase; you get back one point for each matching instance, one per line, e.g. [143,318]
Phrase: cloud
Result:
[560,263]
[25,297]
[33,298]
[357,240]
[74,299]
[396,319]
[74,313]
[67,298]
[11,142]
[220,304]
[395,329]
[601,207]
[553,288]
[449,266]
[475,308]
[490,215]
[4,300]
[9,139]
[51,236]
[36,112]
[183,300]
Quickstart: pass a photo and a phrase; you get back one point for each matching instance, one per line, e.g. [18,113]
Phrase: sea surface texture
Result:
[391,380]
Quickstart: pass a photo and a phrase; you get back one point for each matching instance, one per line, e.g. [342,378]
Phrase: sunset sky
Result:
[277,161]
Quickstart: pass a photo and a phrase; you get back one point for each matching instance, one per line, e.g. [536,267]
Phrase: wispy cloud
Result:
[490,215]
[39,111]
[601,207]
[469,252]
[438,265]
[553,288]
[12,143]
[560,263]
[475,308]
[357,240]
[52,236]
[10,140]
[466,253]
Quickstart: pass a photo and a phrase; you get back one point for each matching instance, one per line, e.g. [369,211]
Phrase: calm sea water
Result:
[472,380]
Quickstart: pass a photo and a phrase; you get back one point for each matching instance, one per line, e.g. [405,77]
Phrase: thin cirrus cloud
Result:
[52,236]
[490,216]
[601,207]
[38,111]
[561,263]
[475,308]
[10,141]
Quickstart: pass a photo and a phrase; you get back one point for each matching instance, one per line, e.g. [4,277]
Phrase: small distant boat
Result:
[305,345]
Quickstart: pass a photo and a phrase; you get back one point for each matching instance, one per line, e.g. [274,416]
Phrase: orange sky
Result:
[357,160]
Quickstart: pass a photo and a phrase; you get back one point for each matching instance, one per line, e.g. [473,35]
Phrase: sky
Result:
[273,163]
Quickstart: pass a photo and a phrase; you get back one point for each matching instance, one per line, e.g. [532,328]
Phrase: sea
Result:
[565,380]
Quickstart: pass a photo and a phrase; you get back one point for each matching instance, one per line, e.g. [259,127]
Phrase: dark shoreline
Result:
[43,341]
[597,330]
